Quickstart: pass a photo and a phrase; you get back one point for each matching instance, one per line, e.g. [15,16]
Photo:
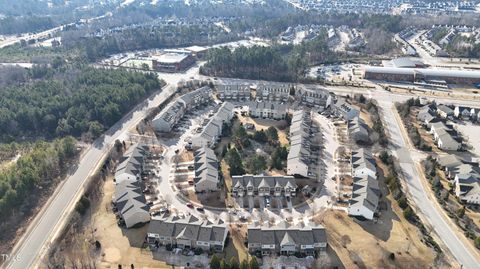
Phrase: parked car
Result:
[190,205]
[190,167]
[200,209]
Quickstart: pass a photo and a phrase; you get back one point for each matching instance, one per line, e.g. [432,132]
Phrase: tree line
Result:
[277,62]
[69,100]
[35,170]
[95,46]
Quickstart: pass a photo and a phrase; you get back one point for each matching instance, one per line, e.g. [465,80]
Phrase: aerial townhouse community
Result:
[259,185]
[275,192]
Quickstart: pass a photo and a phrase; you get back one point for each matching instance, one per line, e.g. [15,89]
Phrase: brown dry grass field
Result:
[366,244]
[118,246]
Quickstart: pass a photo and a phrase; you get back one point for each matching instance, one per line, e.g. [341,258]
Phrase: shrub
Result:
[392,256]
[402,202]
[477,242]
[409,214]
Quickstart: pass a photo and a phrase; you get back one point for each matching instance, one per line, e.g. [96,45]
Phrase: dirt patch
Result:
[236,247]
[368,244]
[358,247]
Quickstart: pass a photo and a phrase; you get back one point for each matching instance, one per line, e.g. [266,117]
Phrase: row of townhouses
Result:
[239,93]
[187,233]
[275,93]
[259,185]
[284,239]
[267,110]
[445,136]
[365,190]
[206,170]
[129,200]
[465,174]
[345,110]
[358,130]
[298,157]
[212,131]
[429,113]
[317,97]
[174,112]
[467,113]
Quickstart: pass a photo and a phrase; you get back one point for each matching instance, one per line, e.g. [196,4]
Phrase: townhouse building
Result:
[187,233]
[174,112]
[286,239]
[260,185]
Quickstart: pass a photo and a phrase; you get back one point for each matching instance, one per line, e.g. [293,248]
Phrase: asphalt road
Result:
[44,227]
[409,160]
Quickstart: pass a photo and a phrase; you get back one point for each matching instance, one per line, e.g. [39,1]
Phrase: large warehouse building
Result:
[172,61]
[436,76]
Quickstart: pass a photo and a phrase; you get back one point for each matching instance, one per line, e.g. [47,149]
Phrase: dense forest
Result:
[66,100]
[277,62]
[44,163]
[141,38]
[14,25]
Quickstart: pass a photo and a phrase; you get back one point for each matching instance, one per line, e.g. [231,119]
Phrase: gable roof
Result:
[188,228]
[129,199]
[206,165]
[132,160]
